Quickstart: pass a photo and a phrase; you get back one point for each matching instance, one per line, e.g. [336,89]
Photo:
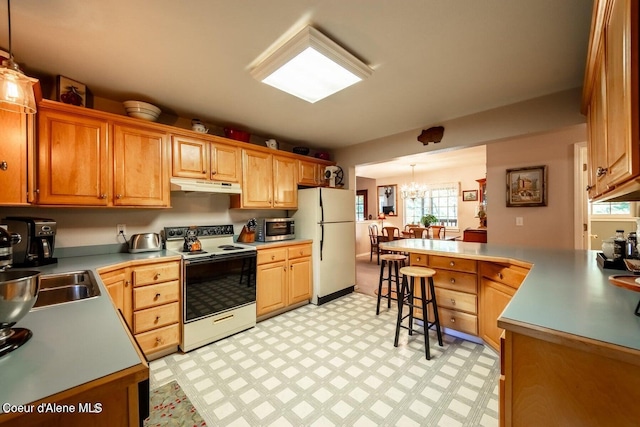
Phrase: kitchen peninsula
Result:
[571,346]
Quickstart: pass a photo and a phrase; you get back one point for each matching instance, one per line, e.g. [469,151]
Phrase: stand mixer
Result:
[18,293]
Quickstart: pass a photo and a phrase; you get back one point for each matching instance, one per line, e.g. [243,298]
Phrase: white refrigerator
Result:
[327,215]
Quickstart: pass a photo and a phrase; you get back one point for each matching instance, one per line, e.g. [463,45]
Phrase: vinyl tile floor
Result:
[335,365]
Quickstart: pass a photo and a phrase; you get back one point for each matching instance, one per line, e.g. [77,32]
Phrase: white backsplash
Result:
[97,226]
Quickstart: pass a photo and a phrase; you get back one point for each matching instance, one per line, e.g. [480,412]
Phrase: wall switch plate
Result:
[121,229]
[519,221]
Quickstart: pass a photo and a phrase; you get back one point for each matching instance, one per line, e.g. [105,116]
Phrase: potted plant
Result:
[428,219]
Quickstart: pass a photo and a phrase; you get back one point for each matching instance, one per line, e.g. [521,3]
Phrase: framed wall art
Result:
[527,186]
[71,92]
[469,195]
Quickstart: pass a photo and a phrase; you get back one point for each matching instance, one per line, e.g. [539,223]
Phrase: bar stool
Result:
[407,297]
[394,263]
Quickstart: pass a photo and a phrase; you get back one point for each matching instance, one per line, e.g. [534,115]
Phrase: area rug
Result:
[171,407]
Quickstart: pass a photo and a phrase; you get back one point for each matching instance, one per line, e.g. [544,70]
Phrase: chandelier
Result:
[413,191]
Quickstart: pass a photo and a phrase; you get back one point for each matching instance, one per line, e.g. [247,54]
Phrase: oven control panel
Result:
[174,233]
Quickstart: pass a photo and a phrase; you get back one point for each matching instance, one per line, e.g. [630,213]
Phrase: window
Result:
[361,205]
[440,200]
[619,209]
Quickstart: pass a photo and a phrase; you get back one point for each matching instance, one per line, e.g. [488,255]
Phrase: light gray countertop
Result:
[565,290]
[72,343]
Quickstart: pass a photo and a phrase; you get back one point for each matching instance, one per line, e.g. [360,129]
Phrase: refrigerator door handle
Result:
[321,206]
[321,239]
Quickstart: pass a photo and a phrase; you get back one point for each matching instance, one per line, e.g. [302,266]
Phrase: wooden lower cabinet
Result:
[557,380]
[118,283]
[284,278]
[156,308]
[148,295]
[456,286]
[498,283]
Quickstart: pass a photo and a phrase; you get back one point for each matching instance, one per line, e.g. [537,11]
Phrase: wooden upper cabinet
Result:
[16,158]
[611,102]
[225,163]
[268,181]
[141,160]
[190,157]
[85,159]
[621,90]
[73,159]
[311,173]
[202,159]
[285,182]
[257,179]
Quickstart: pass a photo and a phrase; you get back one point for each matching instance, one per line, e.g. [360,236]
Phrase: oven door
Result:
[218,284]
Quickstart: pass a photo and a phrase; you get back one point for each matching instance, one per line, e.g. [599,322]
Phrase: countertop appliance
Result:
[219,283]
[145,242]
[275,229]
[327,215]
[38,240]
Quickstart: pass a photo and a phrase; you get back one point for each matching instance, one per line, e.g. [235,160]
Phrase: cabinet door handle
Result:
[500,276]
[213,172]
[127,283]
[285,268]
[589,187]
[157,319]
[158,340]
[453,280]
[118,196]
[157,295]
[417,259]
[452,263]
[453,320]
[157,276]
[601,171]
[103,196]
[273,257]
[453,302]
[4,166]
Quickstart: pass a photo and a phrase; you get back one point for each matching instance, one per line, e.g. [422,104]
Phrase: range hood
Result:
[196,185]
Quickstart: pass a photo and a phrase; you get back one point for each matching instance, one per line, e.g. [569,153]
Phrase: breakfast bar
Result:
[570,351]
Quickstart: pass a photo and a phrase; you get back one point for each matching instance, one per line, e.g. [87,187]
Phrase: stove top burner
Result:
[229,247]
[19,337]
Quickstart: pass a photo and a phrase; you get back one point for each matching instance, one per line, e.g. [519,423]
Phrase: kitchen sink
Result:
[66,287]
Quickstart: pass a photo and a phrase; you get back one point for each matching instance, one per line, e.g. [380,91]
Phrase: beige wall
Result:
[548,226]
[369,185]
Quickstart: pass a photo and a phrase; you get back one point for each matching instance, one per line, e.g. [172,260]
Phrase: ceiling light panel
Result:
[311,66]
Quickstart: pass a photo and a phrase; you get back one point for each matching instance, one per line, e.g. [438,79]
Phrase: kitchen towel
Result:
[171,407]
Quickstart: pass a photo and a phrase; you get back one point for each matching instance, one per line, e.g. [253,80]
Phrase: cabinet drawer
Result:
[463,322]
[299,251]
[266,256]
[156,273]
[153,295]
[159,339]
[506,274]
[418,259]
[451,263]
[156,317]
[456,281]
[457,300]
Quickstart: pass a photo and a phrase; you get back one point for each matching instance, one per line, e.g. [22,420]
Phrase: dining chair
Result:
[373,237]
[419,232]
[391,232]
[438,231]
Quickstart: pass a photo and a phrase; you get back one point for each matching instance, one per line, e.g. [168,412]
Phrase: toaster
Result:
[145,242]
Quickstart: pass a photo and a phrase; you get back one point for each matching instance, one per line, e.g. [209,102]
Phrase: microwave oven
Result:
[275,229]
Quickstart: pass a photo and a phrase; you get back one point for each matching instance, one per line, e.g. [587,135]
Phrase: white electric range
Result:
[218,286]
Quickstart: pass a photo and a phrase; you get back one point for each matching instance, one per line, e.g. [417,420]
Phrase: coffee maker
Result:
[38,240]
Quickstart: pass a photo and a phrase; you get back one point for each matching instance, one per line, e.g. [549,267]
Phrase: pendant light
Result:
[413,191]
[16,89]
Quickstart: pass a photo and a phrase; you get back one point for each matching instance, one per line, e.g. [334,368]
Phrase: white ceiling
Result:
[434,60]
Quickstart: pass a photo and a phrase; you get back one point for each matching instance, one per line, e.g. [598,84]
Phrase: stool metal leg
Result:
[435,310]
[410,298]
[380,286]
[397,269]
[401,297]
[425,317]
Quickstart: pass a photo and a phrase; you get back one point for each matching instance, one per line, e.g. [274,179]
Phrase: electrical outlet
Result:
[121,229]
[519,221]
